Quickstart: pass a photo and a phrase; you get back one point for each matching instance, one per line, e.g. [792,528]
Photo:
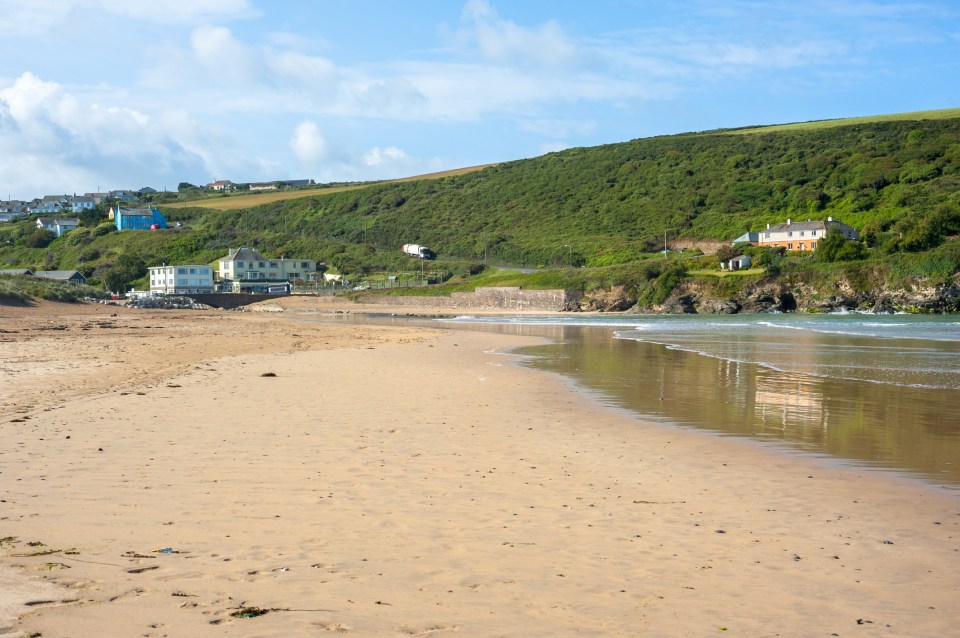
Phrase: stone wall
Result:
[507,298]
[230,300]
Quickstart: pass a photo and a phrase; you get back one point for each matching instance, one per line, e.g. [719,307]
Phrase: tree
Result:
[90,217]
[836,247]
[127,268]
[186,186]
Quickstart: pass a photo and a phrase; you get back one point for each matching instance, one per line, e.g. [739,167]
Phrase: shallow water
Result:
[873,391]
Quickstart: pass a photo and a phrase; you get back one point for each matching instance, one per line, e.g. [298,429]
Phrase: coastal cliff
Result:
[692,297]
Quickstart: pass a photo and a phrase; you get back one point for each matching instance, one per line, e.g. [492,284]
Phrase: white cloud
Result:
[505,41]
[53,141]
[35,17]
[309,145]
[378,157]
[223,57]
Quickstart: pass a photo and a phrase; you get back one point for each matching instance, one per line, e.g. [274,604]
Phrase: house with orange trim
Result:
[797,235]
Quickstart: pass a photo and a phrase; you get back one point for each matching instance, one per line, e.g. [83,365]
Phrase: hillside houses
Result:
[58,225]
[284,183]
[73,276]
[149,218]
[798,236]
[11,209]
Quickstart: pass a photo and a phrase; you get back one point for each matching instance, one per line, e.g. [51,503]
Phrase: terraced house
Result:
[246,270]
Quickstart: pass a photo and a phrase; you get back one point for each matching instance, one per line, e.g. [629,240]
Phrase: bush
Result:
[104,228]
[40,238]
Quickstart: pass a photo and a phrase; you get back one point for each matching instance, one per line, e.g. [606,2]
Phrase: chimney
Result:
[789,221]
[829,219]
[768,226]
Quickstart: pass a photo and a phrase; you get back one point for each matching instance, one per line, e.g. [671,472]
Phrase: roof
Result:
[134,212]
[244,254]
[181,266]
[741,258]
[58,274]
[17,271]
[59,221]
[220,182]
[809,225]
[750,236]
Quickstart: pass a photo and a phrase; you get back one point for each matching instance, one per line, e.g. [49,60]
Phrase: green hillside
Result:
[897,178]
[611,203]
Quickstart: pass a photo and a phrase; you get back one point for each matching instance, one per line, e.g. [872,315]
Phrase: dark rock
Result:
[614,300]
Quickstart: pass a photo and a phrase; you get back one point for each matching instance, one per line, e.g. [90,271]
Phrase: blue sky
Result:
[132,93]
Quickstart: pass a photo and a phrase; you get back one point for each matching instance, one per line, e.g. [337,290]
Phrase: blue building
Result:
[137,218]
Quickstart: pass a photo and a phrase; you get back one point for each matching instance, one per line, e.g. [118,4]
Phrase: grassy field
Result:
[248,200]
[942,114]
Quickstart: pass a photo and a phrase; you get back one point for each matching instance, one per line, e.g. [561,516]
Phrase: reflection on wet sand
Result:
[877,425]
[905,428]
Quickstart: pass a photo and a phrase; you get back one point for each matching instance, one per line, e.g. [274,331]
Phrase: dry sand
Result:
[400,481]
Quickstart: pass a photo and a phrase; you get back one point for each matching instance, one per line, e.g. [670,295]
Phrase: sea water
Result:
[876,391]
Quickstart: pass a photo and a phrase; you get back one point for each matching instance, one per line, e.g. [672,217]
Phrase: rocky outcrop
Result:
[614,300]
[782,296]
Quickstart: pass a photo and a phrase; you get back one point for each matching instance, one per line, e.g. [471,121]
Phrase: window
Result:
[767,235]
[193,271]
[789,246]
[262,265]
[789,233]
[304,264]
[801,233]
[239,264]
[813,232]
[273,264]
[813,245]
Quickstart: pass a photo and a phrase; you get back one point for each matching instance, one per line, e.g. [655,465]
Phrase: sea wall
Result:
[501,298]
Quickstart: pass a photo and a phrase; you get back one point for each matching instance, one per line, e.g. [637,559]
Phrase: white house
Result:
[736,263]
[80,203]
[59,225]
[246,270]
[52,204]
[797,235]
[181,279]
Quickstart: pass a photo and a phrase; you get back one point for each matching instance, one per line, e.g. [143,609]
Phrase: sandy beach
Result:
[210,473]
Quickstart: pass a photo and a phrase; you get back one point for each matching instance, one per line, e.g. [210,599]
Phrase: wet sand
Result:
[398,481]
